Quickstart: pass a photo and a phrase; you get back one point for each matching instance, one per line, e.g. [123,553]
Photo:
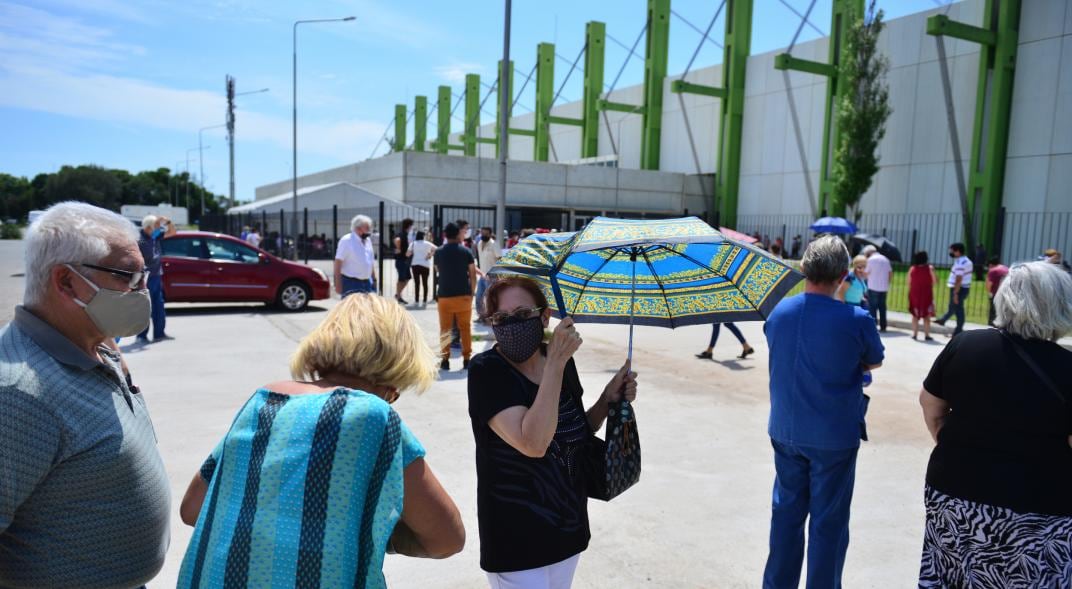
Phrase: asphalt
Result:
[699,517]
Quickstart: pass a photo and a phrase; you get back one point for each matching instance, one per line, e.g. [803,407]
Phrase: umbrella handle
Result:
[557,292]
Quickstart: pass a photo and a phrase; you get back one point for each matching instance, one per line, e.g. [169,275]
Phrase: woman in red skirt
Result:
[921,281]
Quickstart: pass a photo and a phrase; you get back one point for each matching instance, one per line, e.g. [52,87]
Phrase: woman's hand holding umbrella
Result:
[622,386]
[564,343]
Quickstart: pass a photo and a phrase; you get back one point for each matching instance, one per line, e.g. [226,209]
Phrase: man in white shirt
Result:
[254,238]
[959,283]
[488,254]
[879,272]
[355,259]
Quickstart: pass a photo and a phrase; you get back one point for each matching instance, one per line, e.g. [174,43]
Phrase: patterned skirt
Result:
[974,545]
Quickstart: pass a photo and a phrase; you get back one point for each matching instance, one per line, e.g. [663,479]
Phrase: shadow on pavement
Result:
[732,365]
[257,308]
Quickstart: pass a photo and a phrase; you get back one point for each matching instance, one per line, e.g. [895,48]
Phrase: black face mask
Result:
[952,255]
[518,341]
[363,236]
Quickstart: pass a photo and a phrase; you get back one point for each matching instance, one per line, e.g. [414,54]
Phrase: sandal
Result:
[746,352]
[704,355]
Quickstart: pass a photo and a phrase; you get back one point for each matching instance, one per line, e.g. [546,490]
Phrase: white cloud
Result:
[30,36]
[128,11]
[455,72]
[131,101]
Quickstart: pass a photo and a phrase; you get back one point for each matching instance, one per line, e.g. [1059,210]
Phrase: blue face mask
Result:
[157,232]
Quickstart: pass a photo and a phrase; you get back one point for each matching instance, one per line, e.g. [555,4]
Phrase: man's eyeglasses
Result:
[515,316]
[135,280]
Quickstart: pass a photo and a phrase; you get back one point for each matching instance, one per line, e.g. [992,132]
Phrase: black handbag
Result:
[613,465]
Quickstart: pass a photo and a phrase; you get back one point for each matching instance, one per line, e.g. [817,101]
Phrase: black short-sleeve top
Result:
[1005,441]
[532,512]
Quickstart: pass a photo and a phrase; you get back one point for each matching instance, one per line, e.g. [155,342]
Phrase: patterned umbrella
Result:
[666,272]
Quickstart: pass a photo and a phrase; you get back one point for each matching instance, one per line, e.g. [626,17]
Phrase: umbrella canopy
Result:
[667,272]
[833,225]
[736,235]
[881,243]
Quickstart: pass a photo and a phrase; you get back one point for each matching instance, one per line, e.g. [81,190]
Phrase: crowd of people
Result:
[318,477]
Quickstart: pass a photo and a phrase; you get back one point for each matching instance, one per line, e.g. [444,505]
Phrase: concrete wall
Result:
[917,173]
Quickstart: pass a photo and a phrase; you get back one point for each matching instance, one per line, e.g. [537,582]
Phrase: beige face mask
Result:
[115,313]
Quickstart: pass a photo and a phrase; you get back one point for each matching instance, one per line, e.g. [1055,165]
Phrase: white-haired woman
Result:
[999,482]
[318,476]
[355,259]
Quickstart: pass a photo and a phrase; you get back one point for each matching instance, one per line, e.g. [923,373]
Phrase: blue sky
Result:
[127,84]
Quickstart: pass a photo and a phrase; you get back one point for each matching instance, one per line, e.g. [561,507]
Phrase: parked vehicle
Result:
[203,267]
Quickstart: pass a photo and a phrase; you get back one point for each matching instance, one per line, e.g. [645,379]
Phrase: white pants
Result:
[552,576]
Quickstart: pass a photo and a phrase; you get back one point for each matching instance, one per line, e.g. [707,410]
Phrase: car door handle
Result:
[219,268]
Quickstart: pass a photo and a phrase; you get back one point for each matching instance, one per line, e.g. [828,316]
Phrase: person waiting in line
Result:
[879,275]
[420,252]
[921,281]
[488,254]
[402,261]
[999,481]
[253,237]
[995,273]
[1054,257]
[853,289]
[457,281]
[355,259]
[153,230]
[337,477]
[959,283]
[530,425]
[819,351]
[746,349]
[512,239]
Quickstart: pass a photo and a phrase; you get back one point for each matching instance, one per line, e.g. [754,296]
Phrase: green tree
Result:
[861,113]
[92,184]
[16,197]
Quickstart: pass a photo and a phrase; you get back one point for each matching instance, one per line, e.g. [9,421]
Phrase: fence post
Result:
[379,254]
[305,232]
[264,226]
[915,237]
[437,214]
[334,226]
[999,235]
[282,234]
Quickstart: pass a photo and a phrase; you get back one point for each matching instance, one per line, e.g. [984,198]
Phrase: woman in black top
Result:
[401,260]
[531,431]
[999,482]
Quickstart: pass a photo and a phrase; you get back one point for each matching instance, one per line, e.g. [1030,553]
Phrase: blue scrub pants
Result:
[813,484]
[156,295]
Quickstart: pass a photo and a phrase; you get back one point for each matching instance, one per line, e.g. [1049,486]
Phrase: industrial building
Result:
[748,143]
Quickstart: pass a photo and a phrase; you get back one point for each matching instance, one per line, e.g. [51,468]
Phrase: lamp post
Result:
[201,164]
[187,181]
[294,203]
[505,91]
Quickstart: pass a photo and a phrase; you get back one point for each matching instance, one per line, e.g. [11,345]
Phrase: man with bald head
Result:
[84,498]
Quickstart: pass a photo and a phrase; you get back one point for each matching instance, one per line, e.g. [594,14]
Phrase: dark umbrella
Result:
[882,243]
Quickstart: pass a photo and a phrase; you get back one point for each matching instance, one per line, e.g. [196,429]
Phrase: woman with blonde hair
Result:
[318,476]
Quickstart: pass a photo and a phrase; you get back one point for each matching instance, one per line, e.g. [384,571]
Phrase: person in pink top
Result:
[995,273]
[879,272]
[921,281]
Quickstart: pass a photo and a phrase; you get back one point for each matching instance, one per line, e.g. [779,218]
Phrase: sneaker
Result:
[402,300]
[161,338]
[465,364]
[939,322]
[444,365]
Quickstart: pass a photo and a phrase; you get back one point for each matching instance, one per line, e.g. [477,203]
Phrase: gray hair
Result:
[69,233]
[825,260]
[868,250]
[1035,301]
[359,220]
[149,221]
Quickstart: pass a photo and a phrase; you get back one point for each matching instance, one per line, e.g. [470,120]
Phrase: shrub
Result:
[9,231]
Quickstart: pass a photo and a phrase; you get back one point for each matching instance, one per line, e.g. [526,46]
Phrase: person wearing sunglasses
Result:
[153,230]
[84,496]
[531,430]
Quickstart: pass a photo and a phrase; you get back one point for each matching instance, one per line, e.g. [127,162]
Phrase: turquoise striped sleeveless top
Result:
[303,491]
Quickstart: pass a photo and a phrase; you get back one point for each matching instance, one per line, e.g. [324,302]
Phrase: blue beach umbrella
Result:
[833,225]
[666,272]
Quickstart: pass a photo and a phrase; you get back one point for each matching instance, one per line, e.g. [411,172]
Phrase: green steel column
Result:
[400,128]
[420,123]
[498,101]
[738,44]
[595,34]
[442,142]
[472,113]
[655,57]
[993,108]
[545,94]
[845,12]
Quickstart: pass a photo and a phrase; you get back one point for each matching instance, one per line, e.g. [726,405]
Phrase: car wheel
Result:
[293,296]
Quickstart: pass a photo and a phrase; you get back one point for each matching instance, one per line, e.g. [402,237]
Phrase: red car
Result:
[203,267]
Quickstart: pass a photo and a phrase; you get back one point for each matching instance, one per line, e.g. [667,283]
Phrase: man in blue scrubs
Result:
[819,351]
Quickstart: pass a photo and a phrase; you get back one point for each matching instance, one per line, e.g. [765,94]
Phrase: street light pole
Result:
[505,91]
[294,203]
[201,164]
[187,179]
[230,124]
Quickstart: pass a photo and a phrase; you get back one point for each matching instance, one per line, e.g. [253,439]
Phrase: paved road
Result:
[698,518]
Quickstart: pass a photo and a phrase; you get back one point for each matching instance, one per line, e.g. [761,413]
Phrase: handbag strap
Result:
[1045,378]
